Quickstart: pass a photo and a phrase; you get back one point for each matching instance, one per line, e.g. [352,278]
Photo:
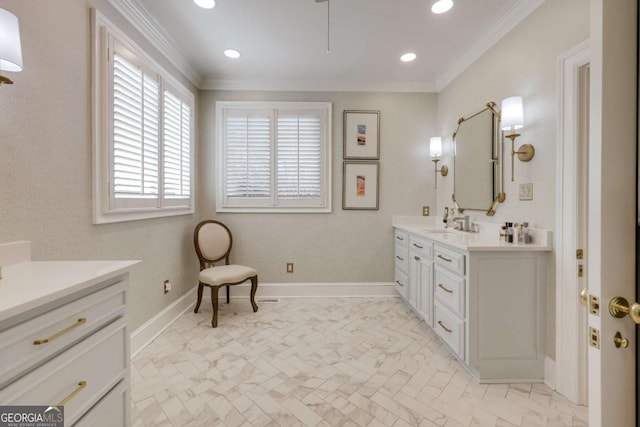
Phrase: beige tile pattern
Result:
[324,362]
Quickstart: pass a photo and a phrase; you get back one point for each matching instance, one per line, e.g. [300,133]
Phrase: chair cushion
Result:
[224,274]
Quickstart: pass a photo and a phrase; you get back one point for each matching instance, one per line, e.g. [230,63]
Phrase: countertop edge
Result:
[484,241]
[104,270]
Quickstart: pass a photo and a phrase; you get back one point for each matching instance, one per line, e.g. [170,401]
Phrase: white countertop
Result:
[27,285]
[488,239]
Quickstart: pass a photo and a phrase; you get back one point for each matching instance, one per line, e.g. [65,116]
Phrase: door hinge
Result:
[580,270]
[579,253]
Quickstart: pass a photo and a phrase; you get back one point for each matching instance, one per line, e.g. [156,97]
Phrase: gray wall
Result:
[343,246]
[45,160]
[525,63]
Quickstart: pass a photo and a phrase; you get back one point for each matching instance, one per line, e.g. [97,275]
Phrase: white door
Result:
[612,208]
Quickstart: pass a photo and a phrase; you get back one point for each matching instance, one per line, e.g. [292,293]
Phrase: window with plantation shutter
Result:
[273,157]
[143,132]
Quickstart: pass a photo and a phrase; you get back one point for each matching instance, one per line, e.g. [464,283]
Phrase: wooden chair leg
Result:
[200,288]
[214,303]
[254,288]
[227,294]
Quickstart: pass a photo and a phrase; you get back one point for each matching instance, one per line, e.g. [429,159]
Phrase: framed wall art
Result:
[361,135]
[360,181]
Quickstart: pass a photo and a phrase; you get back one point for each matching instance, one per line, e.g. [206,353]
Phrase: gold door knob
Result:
[619,307]
[584,297]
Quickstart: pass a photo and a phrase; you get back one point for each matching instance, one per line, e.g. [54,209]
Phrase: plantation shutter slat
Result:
[135,136]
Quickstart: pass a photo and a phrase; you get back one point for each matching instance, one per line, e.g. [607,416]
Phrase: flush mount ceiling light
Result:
[232,53]
[205,4]
[408,57]
[441,6]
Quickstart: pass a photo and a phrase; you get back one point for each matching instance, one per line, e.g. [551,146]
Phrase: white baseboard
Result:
[550,373]
[314,290]
[146,333]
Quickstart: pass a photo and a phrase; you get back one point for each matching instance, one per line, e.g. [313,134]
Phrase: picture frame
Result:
[360,185]
[361,135]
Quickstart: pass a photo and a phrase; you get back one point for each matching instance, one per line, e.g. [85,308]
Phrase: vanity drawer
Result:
[32,342]
[421,247]
[402,239]
[449,290]
[402,283]
[454,261]
[83,373]
[402,258]
[450,328]
[111,411]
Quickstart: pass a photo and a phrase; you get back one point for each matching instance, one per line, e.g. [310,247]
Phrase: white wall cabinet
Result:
[485,301]
[69,341]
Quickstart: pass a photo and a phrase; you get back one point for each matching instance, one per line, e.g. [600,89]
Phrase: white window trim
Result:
[101,168]
[326,207]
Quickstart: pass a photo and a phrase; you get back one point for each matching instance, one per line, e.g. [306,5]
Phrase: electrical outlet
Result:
[425,211]
[526,192]
[289,267]
[167,286]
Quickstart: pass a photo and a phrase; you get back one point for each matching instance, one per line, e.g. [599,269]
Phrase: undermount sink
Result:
[437,230]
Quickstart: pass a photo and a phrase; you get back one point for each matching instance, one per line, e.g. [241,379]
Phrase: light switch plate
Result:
[526,192]
[425,211]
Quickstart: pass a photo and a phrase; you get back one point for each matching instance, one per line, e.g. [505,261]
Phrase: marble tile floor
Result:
[323,362]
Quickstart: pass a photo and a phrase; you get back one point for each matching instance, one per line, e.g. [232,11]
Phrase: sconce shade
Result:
[512,116]
[10,48]
[435,146]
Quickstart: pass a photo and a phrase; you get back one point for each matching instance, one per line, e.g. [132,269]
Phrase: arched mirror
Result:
[477,182]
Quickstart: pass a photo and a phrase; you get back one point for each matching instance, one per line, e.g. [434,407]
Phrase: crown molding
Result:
[141,19]
[510,16]
[316,85]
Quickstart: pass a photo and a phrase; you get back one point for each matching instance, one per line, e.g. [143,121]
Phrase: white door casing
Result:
[571,330]
[612,207]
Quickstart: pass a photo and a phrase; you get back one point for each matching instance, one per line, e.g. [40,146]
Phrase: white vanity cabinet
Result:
[402,264]
[421,276]
[485,299]
[64,339]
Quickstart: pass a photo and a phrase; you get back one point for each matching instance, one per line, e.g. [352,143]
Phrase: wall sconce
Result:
[435,151]
[512,118]
[10,48]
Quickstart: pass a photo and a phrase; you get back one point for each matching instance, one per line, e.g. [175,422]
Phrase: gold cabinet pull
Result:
[399,283]
[417,258]
[399,238]
[444,288]
[80,321]
[74,393]
[400,258]
[444,259]
[444,327]
[418,246]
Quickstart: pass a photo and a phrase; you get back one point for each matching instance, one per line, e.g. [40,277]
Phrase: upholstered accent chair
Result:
[213,242]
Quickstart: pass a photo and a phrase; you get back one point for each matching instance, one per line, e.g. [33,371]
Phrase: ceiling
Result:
[284,42]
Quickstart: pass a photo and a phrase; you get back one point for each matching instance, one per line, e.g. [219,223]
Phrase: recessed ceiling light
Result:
[441,6]
[232,53]
[408,57]
[205,4]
